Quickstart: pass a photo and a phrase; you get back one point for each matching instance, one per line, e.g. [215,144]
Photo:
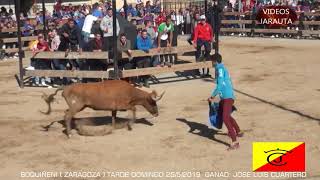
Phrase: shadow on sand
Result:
[95,122]
[203,130]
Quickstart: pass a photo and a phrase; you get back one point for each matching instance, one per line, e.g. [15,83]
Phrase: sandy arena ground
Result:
[278,92]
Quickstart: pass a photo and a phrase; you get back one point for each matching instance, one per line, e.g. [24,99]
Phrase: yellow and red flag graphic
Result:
[278,156]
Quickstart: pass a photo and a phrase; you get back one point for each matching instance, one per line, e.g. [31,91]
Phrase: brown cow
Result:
[112,95]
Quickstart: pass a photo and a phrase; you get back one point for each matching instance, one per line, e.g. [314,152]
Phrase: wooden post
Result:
[44,20]
[125,8]
[205,6]
[21,71]
[115,57]
[216,24]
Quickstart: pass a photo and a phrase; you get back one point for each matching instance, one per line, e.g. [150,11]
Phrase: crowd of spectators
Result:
[90,28]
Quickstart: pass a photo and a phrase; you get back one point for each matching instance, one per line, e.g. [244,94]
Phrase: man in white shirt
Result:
[180,22]
[107,27]
[87,26]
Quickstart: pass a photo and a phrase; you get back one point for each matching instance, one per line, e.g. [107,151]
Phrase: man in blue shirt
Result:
[144,44]
[224,89]
[27,28]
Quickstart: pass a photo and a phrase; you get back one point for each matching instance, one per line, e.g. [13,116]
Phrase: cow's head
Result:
[151,104]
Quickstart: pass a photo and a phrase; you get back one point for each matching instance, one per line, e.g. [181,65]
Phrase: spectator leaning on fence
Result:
[165,35]
[124,46]
[144,44]
[107,27]
[70,36]
[42,64]
[96,45]
[54,46]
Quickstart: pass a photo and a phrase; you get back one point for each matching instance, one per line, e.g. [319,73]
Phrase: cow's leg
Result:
[130,123]
[114,116]
[75,106]
[67,118]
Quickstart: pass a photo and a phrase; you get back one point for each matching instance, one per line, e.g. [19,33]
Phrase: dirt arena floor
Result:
[277,90]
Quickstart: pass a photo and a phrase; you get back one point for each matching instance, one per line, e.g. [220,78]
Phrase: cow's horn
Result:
[160,97]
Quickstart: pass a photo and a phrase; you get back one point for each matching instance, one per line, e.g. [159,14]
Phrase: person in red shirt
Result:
[160,19]
[42,64]
[203,36]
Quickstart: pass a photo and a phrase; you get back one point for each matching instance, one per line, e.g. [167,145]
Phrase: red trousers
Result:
[225,108]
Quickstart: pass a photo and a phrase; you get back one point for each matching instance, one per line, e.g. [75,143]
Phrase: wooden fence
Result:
[104,56]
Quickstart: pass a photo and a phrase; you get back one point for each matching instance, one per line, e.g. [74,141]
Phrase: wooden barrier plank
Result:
[153,52]
[236,21]
[311,22]
[23,39]
[14,50]
[309,32]
[125,73]
[312,14]
[71,55]
[287,31]
[160,70]
[104,55]
[39,27]
[233,13]
[234,30]
[66,73]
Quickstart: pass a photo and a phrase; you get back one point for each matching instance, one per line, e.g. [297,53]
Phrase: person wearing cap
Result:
[224,89]
[203,36]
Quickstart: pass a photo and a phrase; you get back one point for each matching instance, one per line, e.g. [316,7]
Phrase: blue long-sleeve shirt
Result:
[224,85]
[144,44]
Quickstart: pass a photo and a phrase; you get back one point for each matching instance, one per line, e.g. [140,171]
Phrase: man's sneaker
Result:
[43,83]
[30,68]
[168,64]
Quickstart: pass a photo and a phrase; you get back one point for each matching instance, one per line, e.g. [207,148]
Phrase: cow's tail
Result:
[49,99]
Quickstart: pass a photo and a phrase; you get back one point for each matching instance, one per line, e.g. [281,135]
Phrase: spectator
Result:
[96,45]
[107,27]
[160,19]
[151,32]
[165,35]
[41,64]
[179,22]
[70,36]
[187,18]
[203,36]
[54,46]
[54,39]
[124,45]
[79,19]
[144,44]
[97,12]
[87,26]
[153,35]
[27,28]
